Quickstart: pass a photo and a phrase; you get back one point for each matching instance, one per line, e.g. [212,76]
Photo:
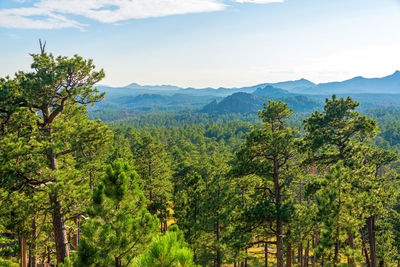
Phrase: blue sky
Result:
[204,43]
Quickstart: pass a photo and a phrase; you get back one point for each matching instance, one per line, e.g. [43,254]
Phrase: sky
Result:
[208,43]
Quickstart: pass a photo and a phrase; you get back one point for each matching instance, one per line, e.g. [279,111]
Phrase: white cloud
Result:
[259,1]
[34,18]
[52,14]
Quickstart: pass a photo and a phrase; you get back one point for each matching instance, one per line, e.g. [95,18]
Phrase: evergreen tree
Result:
[271,154]
[341,134]
[169,250]
[151,163]
[44,129]
[120,226]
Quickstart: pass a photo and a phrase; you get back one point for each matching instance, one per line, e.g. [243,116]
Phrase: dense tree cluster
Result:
[190,189]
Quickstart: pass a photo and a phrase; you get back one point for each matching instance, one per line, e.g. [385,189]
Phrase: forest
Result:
[182,189]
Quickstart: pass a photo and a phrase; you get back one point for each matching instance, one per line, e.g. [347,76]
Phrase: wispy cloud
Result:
[53,14]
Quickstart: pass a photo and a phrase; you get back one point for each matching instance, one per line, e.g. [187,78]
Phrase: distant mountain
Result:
[293,84]
[357,85]
[374,92]
[272,91]
[250,103]
[236,103]
[151,101]
[134,89]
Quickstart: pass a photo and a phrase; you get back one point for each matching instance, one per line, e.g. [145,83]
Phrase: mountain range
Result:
[303,94]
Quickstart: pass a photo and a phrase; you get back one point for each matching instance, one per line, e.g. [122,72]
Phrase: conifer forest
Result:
[81,186]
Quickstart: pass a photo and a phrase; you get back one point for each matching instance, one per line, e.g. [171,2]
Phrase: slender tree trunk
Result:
[288,254]
[306,257]
[382,263]
[300,252]
[371,239]
[23,255]
[279,231]
[364,249]
[314,245]
[32,247]
[266,254]
[118,262]
[91,180]
[350,260]
[293,256]
[76,234]
[336,255]
[279,244]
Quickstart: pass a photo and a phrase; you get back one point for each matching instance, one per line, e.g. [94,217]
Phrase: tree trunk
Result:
[300,252]
[279,244]
[76,234]
[118,262]
[371,239]
[314,245]
[364,249]
[382,263]
[266,254]
[306,256]
[60,233]
[336,255]
[32,247]
[350,260]
[23,255]
[288,254]
[293,256]
[279,231]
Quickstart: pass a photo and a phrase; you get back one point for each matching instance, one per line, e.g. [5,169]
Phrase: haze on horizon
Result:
[208,43]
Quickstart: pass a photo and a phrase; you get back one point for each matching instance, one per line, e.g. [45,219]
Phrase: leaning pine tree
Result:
[44,128]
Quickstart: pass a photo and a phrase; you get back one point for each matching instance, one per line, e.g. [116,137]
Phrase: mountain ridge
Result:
[389,84]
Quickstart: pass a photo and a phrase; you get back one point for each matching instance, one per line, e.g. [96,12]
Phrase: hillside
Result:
[250,103]
[370,92]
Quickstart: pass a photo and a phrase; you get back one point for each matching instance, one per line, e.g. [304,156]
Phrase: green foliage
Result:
[169,250]
[120,225]
[229,181]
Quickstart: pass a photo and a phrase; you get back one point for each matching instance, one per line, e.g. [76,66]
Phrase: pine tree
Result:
[120,226]
[341,134]
[271,154]
[155,176]
[169,250]
[45,128]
